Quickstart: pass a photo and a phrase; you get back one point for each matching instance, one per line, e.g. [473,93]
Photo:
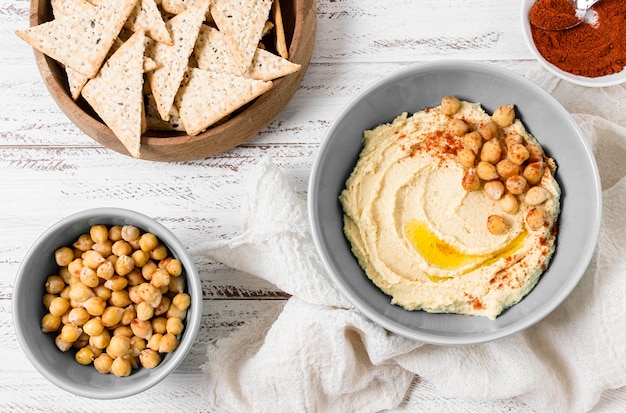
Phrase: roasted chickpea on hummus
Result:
[453,210]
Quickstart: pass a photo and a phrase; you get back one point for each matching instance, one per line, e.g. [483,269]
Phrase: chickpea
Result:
[124,264]
[173,266]
[504,115]
[159,325]
[93,327]
[89,277]
[121,367]
[120,299]
[103,363]
[174,311]
[144,311]
[488,130]
[470,181]
[516,185]
[491,151]
[148,242]
[70,333]
[473,141]
[83,243]
[466,158]
[94,306]
[486,171]
[111,316]
[64,273]
[168,343]
[496,225]
[494,190]
[163,306]
[123,331]
[75,267]
[450,105]
[535,153]
[140,258]
[149,358]
[119,346]
[148,269]
[101,340]
[458,127]
[154,342]
[536,195]
[182,301]
[103,248]
[105,270]
[159,252]
[517,153]
[65,318]
[47,299]
[536,218]
[58,306]
[128,315]
[121,247]
[62,345]
[63,256]
[54,284]
[115,233]
[80,292]
[81,341]
[174,325]
[533,172]
[133,294]
[177,284]
[84,356]
[137,345]
[134,277]
[141,328]
[102,292]
[512,138]
[130,233]
[509,203]
[149,293]
[99,233]
[507,169]
[66,292]
[116,283]
[160,278]
[79,316]
[50,323]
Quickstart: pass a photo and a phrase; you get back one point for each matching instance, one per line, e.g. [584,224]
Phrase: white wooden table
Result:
[50,169]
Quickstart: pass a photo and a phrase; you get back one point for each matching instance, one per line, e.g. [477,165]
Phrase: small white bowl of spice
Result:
[592,53]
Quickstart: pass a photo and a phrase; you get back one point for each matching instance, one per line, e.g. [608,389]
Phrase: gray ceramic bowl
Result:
[415,88]
[61,368]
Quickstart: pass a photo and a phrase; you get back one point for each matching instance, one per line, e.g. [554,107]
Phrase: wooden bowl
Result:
[299,19]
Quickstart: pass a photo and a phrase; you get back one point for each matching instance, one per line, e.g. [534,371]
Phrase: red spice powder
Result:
[588,50]
[553,14]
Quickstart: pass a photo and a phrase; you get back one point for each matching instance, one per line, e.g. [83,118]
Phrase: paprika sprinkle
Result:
[589,50]
[553,14]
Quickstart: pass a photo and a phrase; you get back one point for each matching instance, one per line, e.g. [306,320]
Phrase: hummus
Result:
[422,238]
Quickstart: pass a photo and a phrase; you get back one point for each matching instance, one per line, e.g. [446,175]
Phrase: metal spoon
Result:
[581,9]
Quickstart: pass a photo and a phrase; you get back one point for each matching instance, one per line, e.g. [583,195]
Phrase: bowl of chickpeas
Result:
[107,303]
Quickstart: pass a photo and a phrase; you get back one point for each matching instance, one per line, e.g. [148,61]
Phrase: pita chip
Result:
[211,53]
[146,16]
[62,8]
[242,23]
[116,93]
[210,96]
[80,40]
[173,60]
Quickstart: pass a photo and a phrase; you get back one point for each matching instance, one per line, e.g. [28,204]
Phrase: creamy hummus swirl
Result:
[421,237]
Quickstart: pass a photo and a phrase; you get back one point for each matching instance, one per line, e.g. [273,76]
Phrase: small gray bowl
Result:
[421,86]
[61,368]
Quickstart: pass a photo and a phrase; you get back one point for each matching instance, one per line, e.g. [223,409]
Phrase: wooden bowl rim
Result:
[217,139]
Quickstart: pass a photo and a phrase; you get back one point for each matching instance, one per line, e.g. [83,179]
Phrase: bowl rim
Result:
[600,81]
[193,319]
[392,325]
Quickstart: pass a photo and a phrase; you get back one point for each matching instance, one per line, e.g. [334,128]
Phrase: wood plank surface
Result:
[50,169]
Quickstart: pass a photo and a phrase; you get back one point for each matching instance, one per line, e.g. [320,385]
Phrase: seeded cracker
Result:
[80,40]
[209,96]
[116,92]
[211,53]
[242,22]
[173,60]
[146,16]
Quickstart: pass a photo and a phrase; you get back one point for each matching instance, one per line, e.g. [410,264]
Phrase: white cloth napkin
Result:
[319,354]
